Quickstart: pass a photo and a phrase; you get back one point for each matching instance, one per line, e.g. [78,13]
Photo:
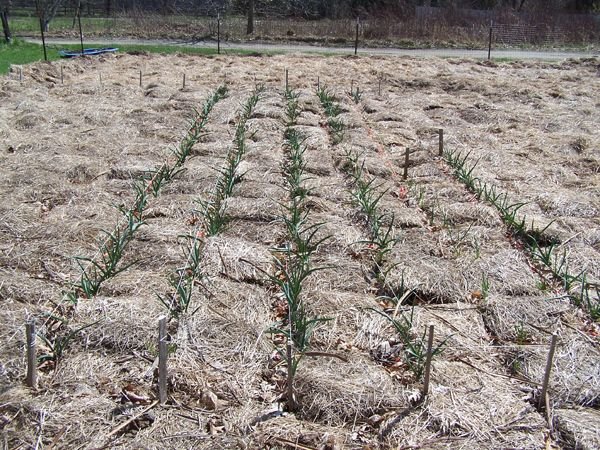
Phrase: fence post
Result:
[80,31]
[428,361]
[31,356]
[490,42]
[218,33]
[542,399]
[43,39]
[356,40]
[162,360]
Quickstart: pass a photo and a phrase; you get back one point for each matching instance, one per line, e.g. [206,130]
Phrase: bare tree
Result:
[250,26]
[4,12]
[46,10]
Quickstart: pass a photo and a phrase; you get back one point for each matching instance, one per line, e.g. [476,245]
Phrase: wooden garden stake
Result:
[542,399]
[428,361]
[318,83]
[351,86]
[441,141]
[183,81]
[380,86]
[162,360]
[62,78]
[31,356]
[406,162]
[20,74]
[100,78]
[290,376]
[140,78]
[286,81]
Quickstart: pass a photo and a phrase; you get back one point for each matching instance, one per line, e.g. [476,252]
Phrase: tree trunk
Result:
[250,27]
[5,27]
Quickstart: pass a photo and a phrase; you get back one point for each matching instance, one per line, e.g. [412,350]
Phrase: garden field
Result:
[304,239]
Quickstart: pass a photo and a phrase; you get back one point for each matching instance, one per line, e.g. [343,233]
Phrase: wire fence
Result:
[461,32]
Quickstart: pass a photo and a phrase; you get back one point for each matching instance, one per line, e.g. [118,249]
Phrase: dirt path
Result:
[443,53]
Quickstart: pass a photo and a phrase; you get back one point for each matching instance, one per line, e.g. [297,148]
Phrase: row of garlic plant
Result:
[56,333]
[293,258]
[213,217]
[367,195]
[543,250]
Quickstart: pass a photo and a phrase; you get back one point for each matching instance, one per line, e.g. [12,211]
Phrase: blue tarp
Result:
[86,52]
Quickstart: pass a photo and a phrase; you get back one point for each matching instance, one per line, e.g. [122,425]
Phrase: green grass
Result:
[21,52]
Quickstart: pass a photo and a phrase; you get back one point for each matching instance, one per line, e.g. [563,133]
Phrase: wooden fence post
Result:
[31,354]
[542,399]
[162,360]
[428,361]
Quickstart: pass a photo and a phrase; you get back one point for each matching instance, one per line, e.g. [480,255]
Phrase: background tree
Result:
[250,26]
[4,13]
[46,11]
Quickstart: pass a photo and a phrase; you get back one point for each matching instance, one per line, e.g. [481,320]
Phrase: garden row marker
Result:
[542,399]
[31,357]
[162,360]
[183,81]
[406,162]
[441,143]
[428,361]
[140,77]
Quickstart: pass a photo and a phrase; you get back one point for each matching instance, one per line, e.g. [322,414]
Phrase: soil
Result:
[71,151]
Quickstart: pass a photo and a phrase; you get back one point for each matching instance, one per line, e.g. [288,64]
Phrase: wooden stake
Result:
[140,78]
[542,399]
[21,74]
[428,361]
[62,78]
[100,78]
[318,83]
[183,81]
[441,141]
[286,80]
[31,356]
[380,87]
[290,376]
[162,360]
[351,87]
[406,162]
